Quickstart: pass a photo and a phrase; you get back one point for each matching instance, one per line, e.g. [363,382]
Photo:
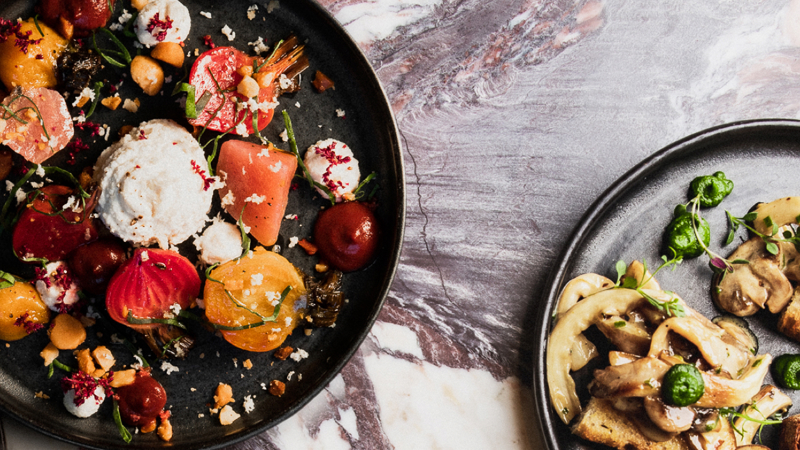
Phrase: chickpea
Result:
[146,72]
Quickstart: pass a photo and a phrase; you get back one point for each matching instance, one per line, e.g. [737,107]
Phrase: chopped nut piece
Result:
[227,415]
[310,248]
[41,395]
[67,333]
[165,430]
[83,100]
[223,396]
[245,70]
[111,103]
[248,87]
[125,129]
[49,354]
[123,378]
[321,267]
[283,352]
[277,388]
[247,364]
[322,82]
[85,362]
[103,357]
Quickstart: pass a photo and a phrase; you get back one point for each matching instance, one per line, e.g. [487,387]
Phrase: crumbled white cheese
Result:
[251,12]
[293,241]
[259,46]
[284,82]
[9,186]
[284,136]
[228,32]
[264,152]
[339,112]
[169,368]
[299,355]
[228,199]
[227,415]
[257,199]
[205,14]
[175,308]
[256,279]
[297,104]
[248,404]
[290,217]
[241,130]
[145,256]
[289,376]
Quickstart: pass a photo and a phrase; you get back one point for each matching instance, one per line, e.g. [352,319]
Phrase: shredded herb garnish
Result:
[122,52]
[123,432]
[671,307]
[97,86]
[293,146]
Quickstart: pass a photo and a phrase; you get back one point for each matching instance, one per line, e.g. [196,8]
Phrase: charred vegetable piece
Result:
[711,189]
[76,68]
[325,299]
[53,224]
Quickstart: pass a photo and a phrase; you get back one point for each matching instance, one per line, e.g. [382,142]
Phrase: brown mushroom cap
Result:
[752,286]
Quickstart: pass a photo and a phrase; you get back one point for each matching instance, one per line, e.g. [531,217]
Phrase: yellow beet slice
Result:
[36,66]
[20,301]
[264,277]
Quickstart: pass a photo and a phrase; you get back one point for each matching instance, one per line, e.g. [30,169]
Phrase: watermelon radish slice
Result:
[35,123]
[257,178]
[47,230]
[216,75]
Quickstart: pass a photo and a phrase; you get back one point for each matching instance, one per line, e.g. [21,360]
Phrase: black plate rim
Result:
[394,260]
[546,421]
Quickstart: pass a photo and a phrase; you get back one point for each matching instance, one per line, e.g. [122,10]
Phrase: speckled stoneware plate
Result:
[627,222]
[367,126]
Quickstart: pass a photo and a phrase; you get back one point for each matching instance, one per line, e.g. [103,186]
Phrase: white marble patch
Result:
[397,338]
[378,19]
[425,406]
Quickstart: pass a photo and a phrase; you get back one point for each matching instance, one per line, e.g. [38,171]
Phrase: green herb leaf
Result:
[123,432]
[6,280]
[97,86]
[245,237]
[620,324]
[749,217]
[772,248]
[191,106]
[621,269]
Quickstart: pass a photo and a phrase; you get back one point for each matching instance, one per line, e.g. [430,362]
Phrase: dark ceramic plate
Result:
[368,127]
[627,222]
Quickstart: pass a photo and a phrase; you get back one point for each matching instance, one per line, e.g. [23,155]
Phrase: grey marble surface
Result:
[514,116]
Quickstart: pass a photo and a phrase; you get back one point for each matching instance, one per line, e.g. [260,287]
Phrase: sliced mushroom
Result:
[707,337]
[721,391]
[643,277]
[616,358]
[755,284]
[575,321]
[782,211]
[627,335]
[640,378]
[767,402]
[738,328]
[580,287]
[672,419]
[721,438]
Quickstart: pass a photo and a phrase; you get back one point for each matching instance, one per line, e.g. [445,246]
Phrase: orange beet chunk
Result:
[259,177]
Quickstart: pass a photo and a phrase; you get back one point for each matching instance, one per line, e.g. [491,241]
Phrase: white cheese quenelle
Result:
[162,21]
[331,163]
[154,185]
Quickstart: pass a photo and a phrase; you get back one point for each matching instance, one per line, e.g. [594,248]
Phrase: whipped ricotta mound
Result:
[331,163]
[154,185]
[220,242]
[89,406]
[162,21]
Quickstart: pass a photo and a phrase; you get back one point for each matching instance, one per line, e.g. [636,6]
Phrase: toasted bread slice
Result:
[603,424]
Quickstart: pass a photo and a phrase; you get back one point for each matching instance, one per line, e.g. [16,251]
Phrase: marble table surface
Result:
[514,116]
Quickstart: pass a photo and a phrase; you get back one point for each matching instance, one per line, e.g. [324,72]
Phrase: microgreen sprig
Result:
[717,263]
[671,307]
[121,52]
[97,86]
[771,240]
[293,146]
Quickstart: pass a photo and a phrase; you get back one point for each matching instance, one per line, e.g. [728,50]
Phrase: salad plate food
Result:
[630,355]
[202,215]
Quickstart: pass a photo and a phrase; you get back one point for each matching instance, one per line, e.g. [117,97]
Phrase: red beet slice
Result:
[42,234]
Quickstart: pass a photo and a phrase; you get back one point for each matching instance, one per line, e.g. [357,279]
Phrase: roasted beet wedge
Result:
[143,293]
[53,223]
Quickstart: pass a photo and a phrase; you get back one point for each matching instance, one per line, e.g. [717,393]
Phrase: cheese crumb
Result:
[169,368]
[339,112]
[248,404]
[251,12]
[284,136]
[228,32]
[276,167]
[299,355]
[205,14]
